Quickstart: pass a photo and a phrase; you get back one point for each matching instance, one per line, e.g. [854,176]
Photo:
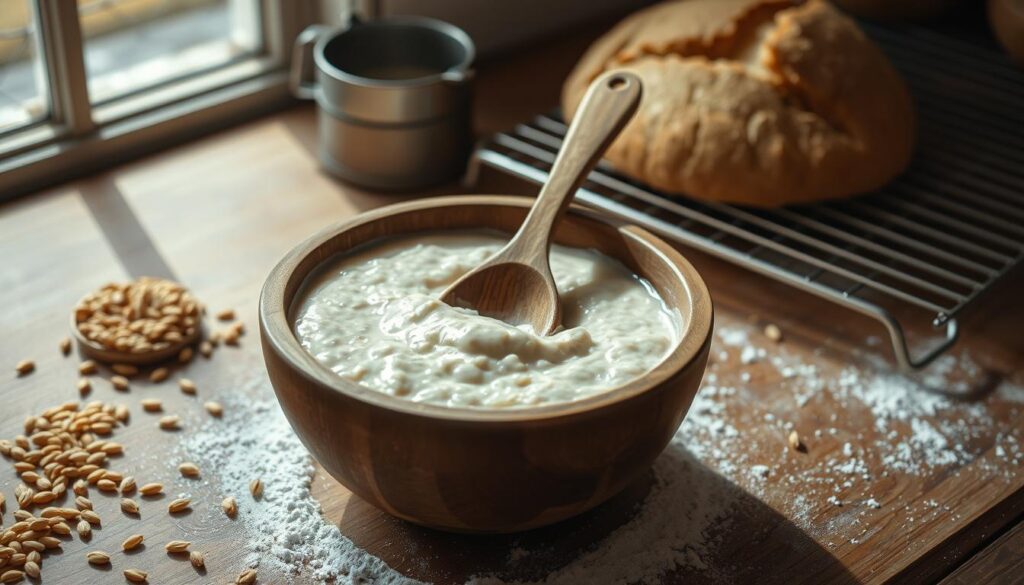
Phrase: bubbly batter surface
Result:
[373,317]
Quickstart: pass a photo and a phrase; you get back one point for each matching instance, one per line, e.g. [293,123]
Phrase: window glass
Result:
[132,45]
[23,96]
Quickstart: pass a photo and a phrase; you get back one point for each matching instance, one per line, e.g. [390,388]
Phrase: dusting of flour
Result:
[287,529]
[697,486]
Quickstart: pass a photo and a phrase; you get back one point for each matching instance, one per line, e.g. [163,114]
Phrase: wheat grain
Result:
[187,386]
[177,546]
[152,404]
[25,367]
[32,569]
[189,469]
[246,577]
[97,558]
[151,489]
[127,485]
[132,542]
[135,575]
[127,370]
[214,408]
[158,375]
[795,443]
[171,422]
[230,506]
[256,488]
[129,506]
[178,505]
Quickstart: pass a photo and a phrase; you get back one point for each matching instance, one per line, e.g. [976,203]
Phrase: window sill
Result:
[137,126]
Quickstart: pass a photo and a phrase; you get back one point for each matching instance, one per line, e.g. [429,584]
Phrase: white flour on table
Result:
[698,483]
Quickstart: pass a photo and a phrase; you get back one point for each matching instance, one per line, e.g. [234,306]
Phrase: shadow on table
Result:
[680,514]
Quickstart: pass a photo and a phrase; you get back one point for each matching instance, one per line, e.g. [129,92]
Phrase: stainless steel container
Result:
[393,99]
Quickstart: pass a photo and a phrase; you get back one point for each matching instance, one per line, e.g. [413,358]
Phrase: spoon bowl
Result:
[499,291]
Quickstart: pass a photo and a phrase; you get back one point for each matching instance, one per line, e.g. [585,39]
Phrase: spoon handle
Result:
[609,103]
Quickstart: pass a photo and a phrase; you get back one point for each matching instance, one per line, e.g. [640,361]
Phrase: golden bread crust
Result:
[757,102]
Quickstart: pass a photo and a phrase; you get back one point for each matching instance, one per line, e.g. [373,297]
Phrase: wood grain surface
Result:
[1000,562]
[217,215]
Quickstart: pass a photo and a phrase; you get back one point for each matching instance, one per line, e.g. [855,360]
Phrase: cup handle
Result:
[301,78]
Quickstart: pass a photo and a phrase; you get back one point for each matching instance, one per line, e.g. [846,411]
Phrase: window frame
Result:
[78,137]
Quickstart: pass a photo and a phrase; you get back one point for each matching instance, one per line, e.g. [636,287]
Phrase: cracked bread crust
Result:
[756,102]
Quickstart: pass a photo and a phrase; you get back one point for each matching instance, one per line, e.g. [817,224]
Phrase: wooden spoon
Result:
[515,284]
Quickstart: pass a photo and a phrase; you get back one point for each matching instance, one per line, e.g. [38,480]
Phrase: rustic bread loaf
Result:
[757,102]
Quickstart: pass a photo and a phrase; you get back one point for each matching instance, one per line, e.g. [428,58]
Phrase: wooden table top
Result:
[863,503]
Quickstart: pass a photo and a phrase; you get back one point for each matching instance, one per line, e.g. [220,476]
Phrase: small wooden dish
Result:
[95,351]
[475,470]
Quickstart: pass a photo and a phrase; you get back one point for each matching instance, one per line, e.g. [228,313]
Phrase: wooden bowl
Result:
[93,350]
[473,470]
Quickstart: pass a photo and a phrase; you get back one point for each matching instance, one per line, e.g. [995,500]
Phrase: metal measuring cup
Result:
[393,99]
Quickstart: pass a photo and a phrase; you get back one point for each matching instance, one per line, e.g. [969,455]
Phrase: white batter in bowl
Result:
[373,317]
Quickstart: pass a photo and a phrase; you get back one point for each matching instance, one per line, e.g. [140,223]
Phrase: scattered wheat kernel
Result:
[189,469]
[39,524]
[91,517]
[132,542]
[65,345]
[86,368]
[11,576]
[128,506]
[187,386]
[158,375]
[795,442]
[170,422]
[25,367]
[152,405]
[83,503]
[256,488]
[84,386]
[98,558]
[125,370]
[177,546]
[178,505]
[226,315]
[127,485]
[230,506]
[106,485]
[246,577]
[135,575]
[206,348]
[772,331]
[119,382]
[84,529]
[185,355]
[50,541]
[32,569]
[151,489]
[214,408]
[196,558]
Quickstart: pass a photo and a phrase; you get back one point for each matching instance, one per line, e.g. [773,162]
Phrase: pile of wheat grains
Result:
[67,452]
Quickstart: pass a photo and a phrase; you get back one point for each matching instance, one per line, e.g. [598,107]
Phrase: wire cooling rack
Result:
[921,249]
